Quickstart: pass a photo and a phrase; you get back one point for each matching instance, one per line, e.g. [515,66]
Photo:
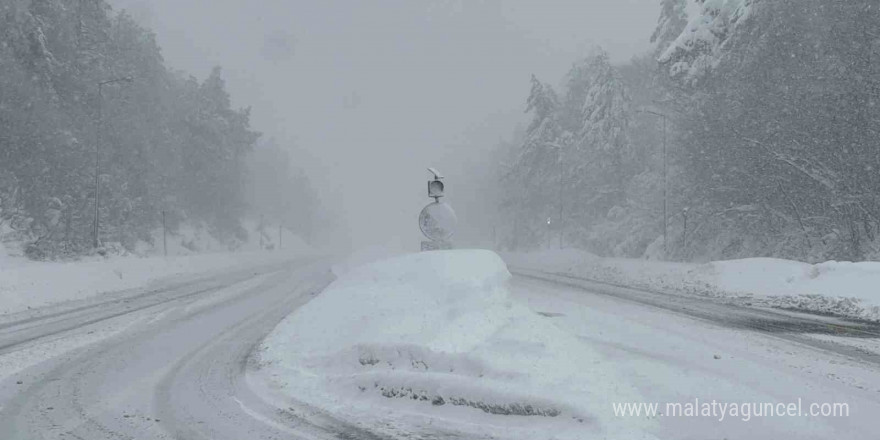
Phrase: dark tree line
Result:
[773,125]
[780,137]
[168,142]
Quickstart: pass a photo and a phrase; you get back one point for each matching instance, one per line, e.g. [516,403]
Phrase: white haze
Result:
[372,92]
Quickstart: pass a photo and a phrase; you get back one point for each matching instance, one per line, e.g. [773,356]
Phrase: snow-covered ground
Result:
[670,358]
[841,288]
[436,336]
[26,284]
[37,284]
[447,341]
[191,239]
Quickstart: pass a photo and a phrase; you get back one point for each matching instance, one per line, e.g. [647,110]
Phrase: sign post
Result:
[437,220]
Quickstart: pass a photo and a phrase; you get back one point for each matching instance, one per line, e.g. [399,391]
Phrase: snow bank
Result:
[842,288]
[27,284]
[436,335]
[849,289]
[193,239]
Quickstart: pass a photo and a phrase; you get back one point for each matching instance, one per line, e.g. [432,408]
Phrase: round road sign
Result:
[437,221]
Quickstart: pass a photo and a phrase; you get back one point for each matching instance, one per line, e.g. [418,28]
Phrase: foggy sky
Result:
[372,92]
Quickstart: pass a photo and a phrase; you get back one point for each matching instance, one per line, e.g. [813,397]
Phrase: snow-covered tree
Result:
[780,142]
[168,142]
[533,178]
[603,145]
[281,191]
[672,22]
[544,105]
[706,37]
[772,124]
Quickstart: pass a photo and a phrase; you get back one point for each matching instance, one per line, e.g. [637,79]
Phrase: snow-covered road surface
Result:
[448,337]
[162,364]
[676,349]
[174,362]
[797,326]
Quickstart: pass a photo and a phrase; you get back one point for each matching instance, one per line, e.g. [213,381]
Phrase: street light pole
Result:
[98,128]
[665,183]
[665,193]
[97,152]
[559,172]
[561,183]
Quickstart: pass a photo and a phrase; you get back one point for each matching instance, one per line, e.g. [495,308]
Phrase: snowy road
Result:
[163,364]
[171,362]
[677,349]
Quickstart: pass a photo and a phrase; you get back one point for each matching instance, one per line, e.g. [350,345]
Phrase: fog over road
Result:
[172,362]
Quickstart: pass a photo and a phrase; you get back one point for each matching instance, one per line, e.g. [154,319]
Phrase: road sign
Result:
[437,221]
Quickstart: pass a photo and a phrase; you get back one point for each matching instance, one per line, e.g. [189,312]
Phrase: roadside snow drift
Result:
[436,335]
[30,284]
[840,288]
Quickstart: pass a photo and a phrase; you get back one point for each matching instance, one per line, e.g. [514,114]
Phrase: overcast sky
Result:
[372,92]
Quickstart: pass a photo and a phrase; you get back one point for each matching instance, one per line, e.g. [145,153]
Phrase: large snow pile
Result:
[436,335]
[843,288]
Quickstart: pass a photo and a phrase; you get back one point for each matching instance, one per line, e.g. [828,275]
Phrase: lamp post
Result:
[561,180]
[559,172]
[100,124]
[665,181]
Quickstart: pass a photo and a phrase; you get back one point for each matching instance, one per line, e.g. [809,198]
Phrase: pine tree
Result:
[169,142]
[698,50]
[534,176]
[672,22]
[603,142]
[786,165]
